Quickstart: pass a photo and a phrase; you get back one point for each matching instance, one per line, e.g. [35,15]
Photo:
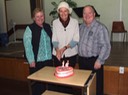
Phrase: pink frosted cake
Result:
[63,71]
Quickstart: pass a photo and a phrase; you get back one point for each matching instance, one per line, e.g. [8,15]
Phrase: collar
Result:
[64,23]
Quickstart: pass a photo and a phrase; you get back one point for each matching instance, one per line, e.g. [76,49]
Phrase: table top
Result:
[46,74]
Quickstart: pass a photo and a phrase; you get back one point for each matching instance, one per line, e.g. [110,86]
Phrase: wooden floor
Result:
[13,87]
[118,56]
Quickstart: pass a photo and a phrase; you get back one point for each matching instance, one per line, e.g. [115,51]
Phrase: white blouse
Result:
[64,36]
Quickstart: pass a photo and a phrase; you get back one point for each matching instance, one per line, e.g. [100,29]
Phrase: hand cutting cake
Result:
[64,70]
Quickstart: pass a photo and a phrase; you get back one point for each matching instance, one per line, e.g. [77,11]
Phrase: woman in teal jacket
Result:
[37,44]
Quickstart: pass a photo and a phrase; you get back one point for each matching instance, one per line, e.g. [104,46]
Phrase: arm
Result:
[27,37]
[105,46]
[75,39]
[54,37]
[55,42]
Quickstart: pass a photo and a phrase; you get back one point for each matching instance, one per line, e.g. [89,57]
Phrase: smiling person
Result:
[65,36]
[94,46]
[37,44]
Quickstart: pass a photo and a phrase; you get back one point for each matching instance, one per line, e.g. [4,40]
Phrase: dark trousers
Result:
[38,87]
[88,64]
[72,61]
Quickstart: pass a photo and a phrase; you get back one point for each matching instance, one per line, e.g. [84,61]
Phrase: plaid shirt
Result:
[94,41]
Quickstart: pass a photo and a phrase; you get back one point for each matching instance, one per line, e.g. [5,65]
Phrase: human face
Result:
[39,18]
[63,12]
[88,15]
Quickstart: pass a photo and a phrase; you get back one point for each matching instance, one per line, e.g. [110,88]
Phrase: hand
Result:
[58,54]
[97,65]
[33,65]
[62,50]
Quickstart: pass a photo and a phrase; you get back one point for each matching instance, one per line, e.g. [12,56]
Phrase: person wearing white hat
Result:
[65,36]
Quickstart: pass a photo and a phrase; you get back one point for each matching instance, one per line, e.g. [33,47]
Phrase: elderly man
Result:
[94,46]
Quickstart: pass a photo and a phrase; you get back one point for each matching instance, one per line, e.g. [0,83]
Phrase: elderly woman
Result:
[37,44]
[65,36]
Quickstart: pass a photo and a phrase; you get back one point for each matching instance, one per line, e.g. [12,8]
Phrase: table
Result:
[46,75]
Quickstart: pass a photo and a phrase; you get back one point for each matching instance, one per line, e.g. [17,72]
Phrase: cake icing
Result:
[64,70]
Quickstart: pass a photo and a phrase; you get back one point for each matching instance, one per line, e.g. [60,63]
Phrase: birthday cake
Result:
[63,71]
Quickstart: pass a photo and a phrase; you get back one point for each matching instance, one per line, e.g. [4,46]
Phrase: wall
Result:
[125,14]
[2,17]
[19,11]
[108,9]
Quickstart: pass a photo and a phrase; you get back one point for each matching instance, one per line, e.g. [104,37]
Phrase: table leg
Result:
[84,91]
[29,85]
